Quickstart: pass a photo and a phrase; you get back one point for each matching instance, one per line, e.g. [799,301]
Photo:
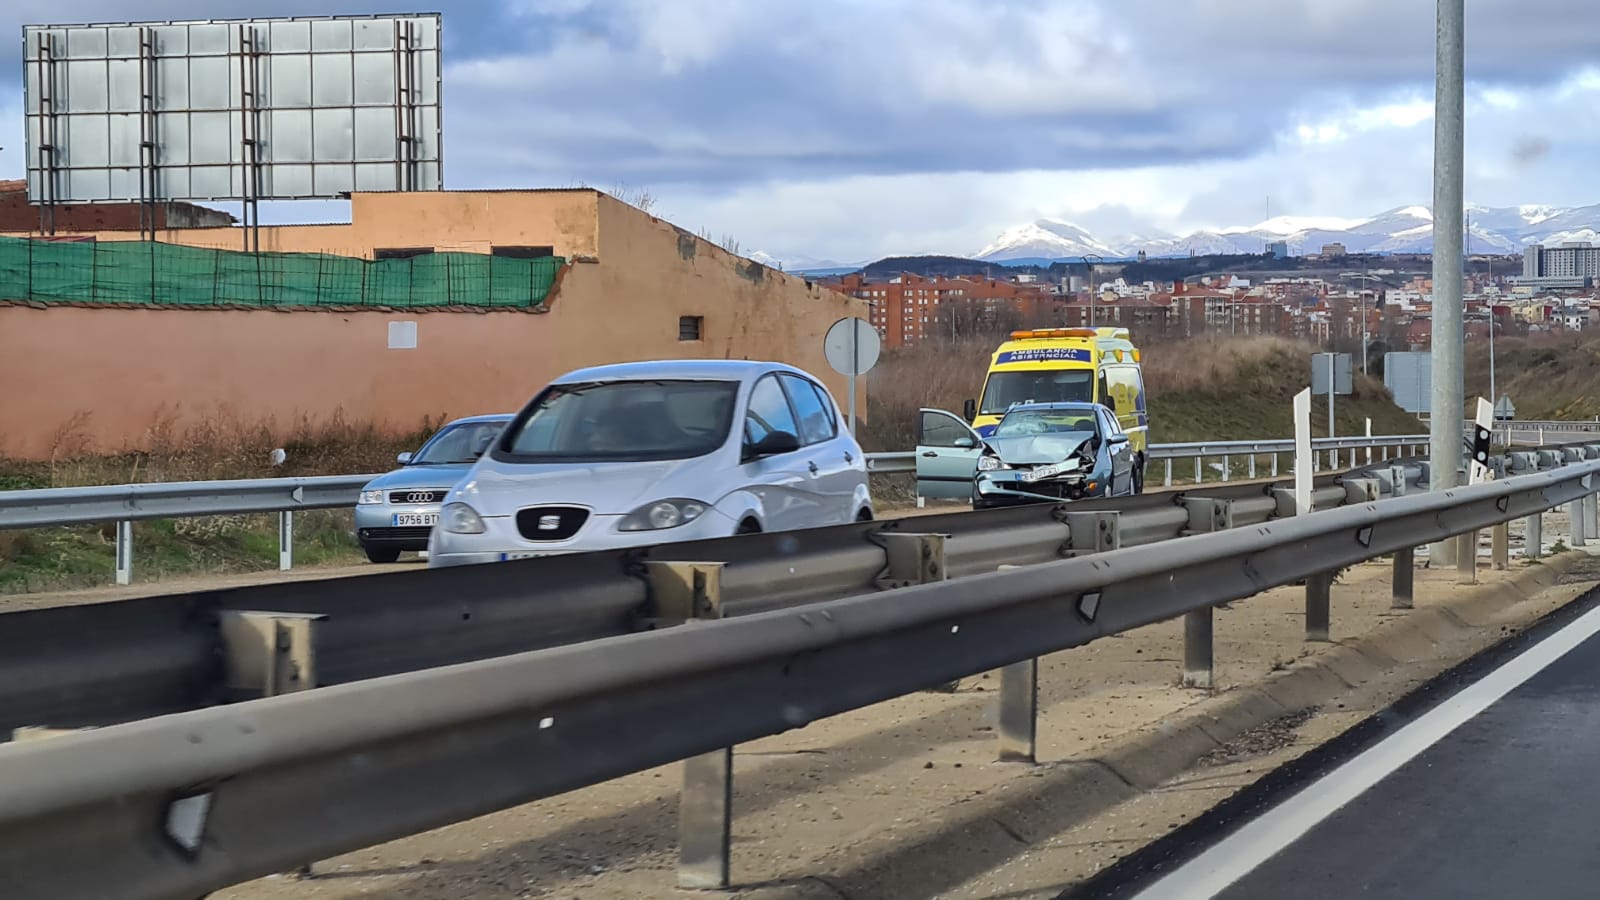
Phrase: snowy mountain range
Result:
[1406,229]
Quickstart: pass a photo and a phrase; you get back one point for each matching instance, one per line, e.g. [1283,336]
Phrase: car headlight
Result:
[662,514]
[459,518]
[989,463]
[368,498]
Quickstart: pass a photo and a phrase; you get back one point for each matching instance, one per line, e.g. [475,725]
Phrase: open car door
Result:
[947,455]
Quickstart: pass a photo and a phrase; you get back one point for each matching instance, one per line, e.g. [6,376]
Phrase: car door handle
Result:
[849,457]
[812,467]
[930,454]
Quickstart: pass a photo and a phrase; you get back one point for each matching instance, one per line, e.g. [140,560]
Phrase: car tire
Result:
[1138,477]
[382,555]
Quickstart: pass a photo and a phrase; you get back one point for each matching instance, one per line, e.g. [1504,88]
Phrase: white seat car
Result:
[646,453]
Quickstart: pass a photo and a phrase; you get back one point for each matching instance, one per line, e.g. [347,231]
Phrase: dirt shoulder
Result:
[905,799]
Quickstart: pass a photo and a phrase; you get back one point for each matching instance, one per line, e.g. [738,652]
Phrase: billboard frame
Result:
[243,110]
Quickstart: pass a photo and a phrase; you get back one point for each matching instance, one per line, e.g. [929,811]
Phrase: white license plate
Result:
[416,520]
[1043,472]
[504,557]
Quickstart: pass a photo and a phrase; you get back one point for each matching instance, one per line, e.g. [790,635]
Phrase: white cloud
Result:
[852,128]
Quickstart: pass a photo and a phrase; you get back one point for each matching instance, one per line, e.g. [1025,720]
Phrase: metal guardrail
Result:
[80,665]
[177,806]
[129,503]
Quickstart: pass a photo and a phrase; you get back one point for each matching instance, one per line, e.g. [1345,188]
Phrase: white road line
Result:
[1242,852]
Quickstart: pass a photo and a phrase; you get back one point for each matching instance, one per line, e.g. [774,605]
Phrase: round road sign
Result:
[852,346]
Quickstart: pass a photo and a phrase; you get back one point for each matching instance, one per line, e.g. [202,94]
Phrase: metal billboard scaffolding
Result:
[231,110]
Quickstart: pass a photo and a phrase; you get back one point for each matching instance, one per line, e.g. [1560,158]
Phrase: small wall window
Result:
[689,327]
[514,252]
[400,252]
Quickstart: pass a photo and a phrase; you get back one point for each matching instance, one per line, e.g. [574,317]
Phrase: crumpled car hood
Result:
[1035,450]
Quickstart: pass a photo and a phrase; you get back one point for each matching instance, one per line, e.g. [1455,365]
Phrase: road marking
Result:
[1241,852]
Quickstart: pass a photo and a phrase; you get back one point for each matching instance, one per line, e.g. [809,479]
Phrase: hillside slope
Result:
[1547,377]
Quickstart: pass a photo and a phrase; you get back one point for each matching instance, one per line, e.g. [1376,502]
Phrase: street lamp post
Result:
[1092,260]
[1494,397]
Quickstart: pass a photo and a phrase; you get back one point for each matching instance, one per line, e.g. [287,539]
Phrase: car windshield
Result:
[1052,422]
[462,443]
[624,421]
[1006,389]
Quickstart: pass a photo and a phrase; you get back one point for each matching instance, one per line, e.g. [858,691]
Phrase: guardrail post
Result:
[285,540]
[1533,537]
[1576,514]
[1252,467]
[680,592]
[1405,573]
[1500,541]
[1099,531]
[911,559]
[1319,591]
[269,653]
[124,553]
[1199,470]
[1467,558]
[1168,481]
[1199,664]
[1017,717]
[1225,467]
[1274,465]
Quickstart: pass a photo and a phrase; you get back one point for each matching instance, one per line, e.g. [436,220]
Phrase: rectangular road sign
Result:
[242,109]
[1341,374]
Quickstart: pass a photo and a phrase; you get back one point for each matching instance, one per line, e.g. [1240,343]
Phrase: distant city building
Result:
[906,309]
[1571,265]
[1278,249]
[1333,250]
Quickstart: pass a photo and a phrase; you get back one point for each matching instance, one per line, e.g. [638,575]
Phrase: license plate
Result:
[416,520]
[1043,472]
[504,557]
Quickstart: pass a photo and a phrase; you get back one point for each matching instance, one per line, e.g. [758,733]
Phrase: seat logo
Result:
[549,523]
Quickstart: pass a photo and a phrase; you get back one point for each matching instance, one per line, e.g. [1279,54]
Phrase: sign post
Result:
[852,348]
[1302,452]
[1330,374]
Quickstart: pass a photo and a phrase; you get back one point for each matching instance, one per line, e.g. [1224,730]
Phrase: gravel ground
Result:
[870,804]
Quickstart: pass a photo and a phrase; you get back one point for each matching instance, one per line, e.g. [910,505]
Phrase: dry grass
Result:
[1548,376]
[1213,388]
[219,446]
[1209,364]
[938,376]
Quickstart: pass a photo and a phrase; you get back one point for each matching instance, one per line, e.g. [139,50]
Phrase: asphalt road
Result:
[1492,791]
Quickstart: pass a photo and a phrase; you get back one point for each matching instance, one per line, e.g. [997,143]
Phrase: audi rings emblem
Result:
[419,496]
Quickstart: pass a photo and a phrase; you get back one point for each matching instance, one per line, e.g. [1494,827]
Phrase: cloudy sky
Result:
[853,129]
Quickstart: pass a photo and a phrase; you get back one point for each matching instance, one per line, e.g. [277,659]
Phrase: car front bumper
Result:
[375,525]
[501,541]
[1007,486]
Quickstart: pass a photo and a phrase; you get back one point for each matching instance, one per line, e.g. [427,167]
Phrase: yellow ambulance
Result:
[1052,365]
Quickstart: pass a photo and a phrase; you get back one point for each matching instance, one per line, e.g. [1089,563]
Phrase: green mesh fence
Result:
[155,273]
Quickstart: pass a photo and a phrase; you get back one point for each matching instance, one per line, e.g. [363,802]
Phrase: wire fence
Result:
[154,273]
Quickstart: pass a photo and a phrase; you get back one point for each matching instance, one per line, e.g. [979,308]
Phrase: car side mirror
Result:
[404,459]
[1118,439]
[965,442]
[775,443]
[970,409]
[1110,403]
